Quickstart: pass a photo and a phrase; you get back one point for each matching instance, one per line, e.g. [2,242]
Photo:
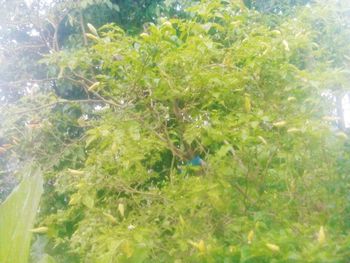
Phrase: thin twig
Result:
[81,21]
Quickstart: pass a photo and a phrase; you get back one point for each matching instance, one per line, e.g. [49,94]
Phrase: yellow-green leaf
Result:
[273,247]
[121,209]
[39,230]
[110,217]
[279,123]
[247,103]
[94,86]
[250,236]
[75,172]
[92,37]
[88,201]
[92,29]
[321,237]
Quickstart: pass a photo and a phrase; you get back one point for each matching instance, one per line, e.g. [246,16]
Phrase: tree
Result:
[31,30]
[206,138]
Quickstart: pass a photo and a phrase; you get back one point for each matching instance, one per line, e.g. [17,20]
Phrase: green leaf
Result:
[17,215]
[88,201]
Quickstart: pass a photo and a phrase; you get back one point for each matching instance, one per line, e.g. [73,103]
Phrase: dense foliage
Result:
[209,137]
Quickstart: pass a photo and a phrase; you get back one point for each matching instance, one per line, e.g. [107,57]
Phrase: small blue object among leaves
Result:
[196,161]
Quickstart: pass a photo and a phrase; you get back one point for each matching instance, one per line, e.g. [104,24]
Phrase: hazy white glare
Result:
[29,2]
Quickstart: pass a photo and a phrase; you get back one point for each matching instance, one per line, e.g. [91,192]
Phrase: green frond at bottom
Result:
[17,215]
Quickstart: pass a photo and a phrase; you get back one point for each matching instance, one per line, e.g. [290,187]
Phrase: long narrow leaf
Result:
[17,215]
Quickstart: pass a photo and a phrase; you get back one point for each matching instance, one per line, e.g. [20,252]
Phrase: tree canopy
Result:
[180,131]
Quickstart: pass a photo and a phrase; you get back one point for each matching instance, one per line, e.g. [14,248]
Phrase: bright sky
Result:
[346,107]
[28,2]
